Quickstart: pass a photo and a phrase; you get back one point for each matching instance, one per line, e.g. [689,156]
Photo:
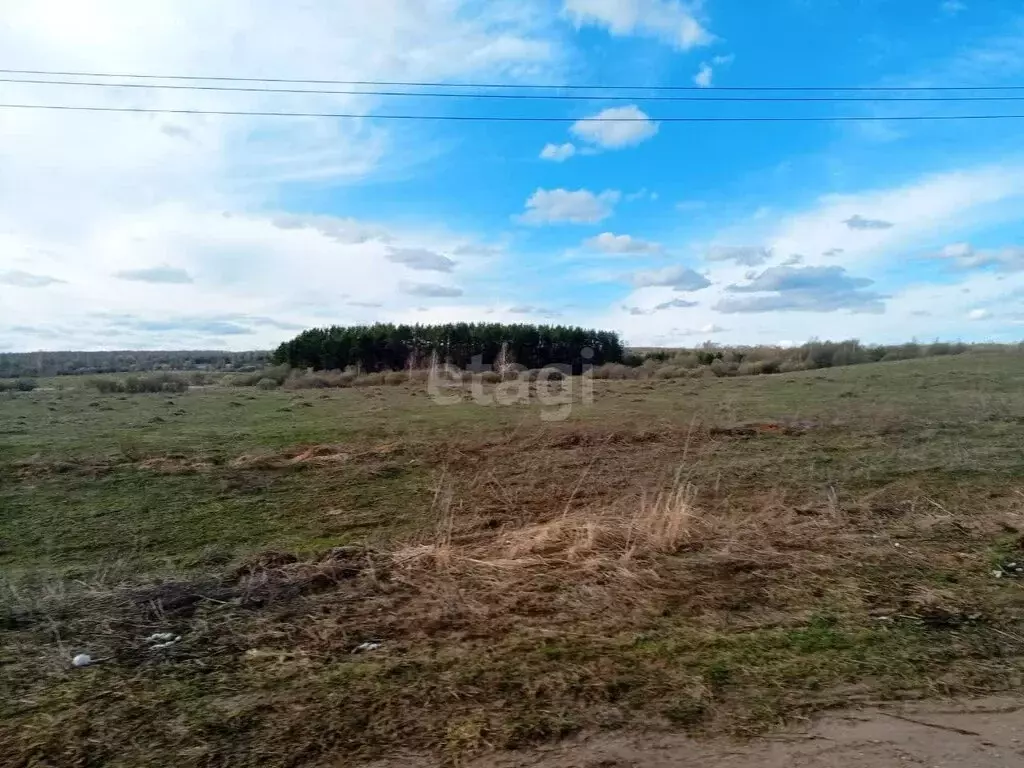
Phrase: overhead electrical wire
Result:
[514,96]
[537,86]
[193,83]
[515,118]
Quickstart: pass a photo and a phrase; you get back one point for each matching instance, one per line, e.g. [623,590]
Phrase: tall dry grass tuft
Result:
[667,522]
[589,538]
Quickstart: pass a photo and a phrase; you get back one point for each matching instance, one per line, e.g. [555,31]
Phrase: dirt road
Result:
[985,733]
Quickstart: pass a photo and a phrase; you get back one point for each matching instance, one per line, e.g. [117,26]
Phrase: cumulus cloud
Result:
[610,243]
[111,194]
[558,152]
[474,249]
[669,21]
[806,289]
[21,279]
[793,260]
[220,326]
[964,256]
[176,131]
[430,289]
[526,309]
[675,304]
[833,252]
[344,230]
[704,76]
[622,127]
[161,274]
[979,314]
[581,206]
[677,277]
[859,222]
[420,259]
[745,255]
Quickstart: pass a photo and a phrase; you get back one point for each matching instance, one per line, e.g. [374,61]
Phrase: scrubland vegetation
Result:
[350,567]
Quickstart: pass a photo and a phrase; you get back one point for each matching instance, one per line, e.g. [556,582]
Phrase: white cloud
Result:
[919,212]
[978,314]
[161,274]
[799,301]
[558,152]
[669,21]
[581,206]
[964,256]
[101,194]
[745,255]
[704,76]
[678,277]
[627,126]
[952,7]
[420,259]
[610,243]
[21,279]
[433,290]
[814,289]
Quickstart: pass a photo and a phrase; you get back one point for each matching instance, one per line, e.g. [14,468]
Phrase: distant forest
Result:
[386,347]
[37,364]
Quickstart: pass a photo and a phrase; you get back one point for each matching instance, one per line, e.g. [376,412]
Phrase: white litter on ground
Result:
[370,646]
[81,660]
[160,640]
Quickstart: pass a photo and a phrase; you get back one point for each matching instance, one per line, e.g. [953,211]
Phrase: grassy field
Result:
[718,555]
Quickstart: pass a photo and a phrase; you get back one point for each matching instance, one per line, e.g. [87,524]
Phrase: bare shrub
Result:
[721,368]
[277,373]
[266,384]
[157,382]
[368,380]
[751,369]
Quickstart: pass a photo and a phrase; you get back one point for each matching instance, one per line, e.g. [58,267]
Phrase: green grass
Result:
[804,602]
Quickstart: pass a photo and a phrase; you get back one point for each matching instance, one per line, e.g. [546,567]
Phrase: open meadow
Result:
[352,571]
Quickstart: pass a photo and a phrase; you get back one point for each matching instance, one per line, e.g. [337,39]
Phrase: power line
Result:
[516,96]
[513,119]
[536,86]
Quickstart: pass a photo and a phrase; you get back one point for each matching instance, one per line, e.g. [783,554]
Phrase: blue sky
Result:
[159,230]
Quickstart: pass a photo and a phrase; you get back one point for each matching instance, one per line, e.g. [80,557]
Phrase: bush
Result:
[277,373]
[369,380]
[267,384]
[395,378]
[18,385]
[788,366]
[721,368]
[615,371]
[670,372]
[751,369]
[158,382]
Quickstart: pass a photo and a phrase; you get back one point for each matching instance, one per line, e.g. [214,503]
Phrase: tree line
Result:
[70,363]
[388,347]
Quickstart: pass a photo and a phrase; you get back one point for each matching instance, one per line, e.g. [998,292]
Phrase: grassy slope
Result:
[797,597]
